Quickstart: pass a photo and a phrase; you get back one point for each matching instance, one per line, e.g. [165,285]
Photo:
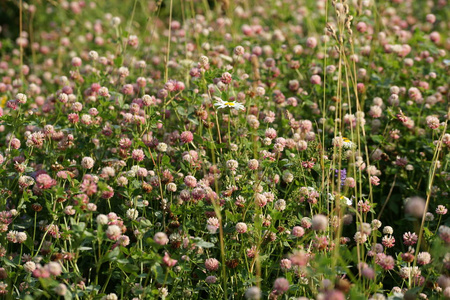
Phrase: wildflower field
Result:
[224,149]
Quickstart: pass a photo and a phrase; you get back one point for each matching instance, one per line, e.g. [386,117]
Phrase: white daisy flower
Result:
[231,104]
[347,143]
[346,200]
[344,142]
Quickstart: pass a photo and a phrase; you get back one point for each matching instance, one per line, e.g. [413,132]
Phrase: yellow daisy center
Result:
[3,101]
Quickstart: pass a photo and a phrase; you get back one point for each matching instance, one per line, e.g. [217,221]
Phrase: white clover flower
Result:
[132,214]
[115,21]
[102,219]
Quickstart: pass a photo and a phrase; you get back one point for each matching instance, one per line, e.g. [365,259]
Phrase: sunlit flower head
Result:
[231,104]
[343,142]
[346,200]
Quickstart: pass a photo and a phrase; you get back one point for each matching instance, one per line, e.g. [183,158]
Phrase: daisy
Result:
[232,104]
[347,143]
[342,142]
[3,101]
[346,200]
[343,199]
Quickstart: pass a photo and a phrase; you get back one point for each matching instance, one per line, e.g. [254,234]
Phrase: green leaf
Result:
[230,216]
[78,228]
[128,266]
[68,295]
[201,243]
[135,184]
[118,61]
[8,263]
[84,248]
[377,138]
[159,273]
[428,234]
[193,120]
[29,243]
[112,256]
[145,223]
[182,111]
[165,160]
